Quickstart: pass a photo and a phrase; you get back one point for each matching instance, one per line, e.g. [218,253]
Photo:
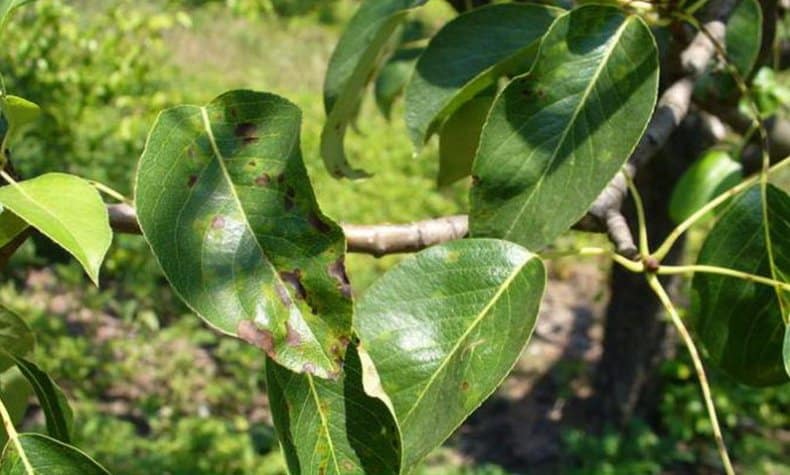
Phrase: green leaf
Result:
[66,209]
[18,113]
[47,456]
[356,57]
[740,323]
[53,402]
[15,391]
[467,56]
[786,350]
[393,77]
[7,6]
[225,202]
[443,329]
[16,337]
[11,226]
[459,139]
[557,135]
[332,427]
[713,173]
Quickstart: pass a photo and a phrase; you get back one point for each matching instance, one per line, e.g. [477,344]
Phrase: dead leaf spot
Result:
[263,180]
[246,131]
[465,386]
[263,339]
[294,279]
[337,270]
[308,368]
[283,294]
[292,337]
[317,223]
[192,180]
[218,222]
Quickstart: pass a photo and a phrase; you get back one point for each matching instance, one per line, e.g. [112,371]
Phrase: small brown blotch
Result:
[283,294]
[288,202]
[281,178]
[651,264]
[294,279]
[308,368]
[263,180]
[337,270]
[465,386]
[246,131]
[192,180]
[317,223]
[475,180]
[540,93]
[263,339]
[233,113]
[344,341]
[218,222]
[292,337]
[252,163]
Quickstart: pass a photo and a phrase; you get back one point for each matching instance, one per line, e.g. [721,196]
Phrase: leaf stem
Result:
[655,284]
[644,248]
[681,228]
[5,176]
[672,270]
[110,191]
[13,435]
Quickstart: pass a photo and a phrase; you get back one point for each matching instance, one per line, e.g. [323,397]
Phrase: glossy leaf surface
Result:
[712,174]
[459,139]
[66,209]
[740,323]
[444,328]
[47,456]
[53,402]
[332,427]
[468,55]
[556,136]
[224,200]
[354,60]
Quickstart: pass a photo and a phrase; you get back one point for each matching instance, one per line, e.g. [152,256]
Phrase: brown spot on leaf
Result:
[475,180]
[317,223]
[290,194]
[465,386]
[281,178]
[282,292]
[263,339]
[218,222]
[233,113]
[308,368]
[292,337]
[263,180]
[246,131]
[192,180]
[294,279]
[337,270]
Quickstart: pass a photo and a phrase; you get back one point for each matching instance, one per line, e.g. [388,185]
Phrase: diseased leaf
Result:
[357,54]
[47,456]
[712,174]
[66,209]
[53,402]
[444,328]
[16,337]
[459,139]
[557,135]
[741,323]
[332,427]
[393,78]
[467,56]
[224,200]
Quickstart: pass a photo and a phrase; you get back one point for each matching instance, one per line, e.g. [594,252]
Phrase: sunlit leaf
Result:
[357,54]
[444,328]
[459,139]
[557,135]
[224,200]
[741,323]
[712,174]
[467,56]
[47,456]
[332,427]
[66,209]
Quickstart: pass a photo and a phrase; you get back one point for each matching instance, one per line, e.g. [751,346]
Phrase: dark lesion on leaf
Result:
[317,223]
[294,279]
[263,179]
[337,270]
[290,195]
[263,339]
[282,293]
[192,180]
[247,132]
[292,337]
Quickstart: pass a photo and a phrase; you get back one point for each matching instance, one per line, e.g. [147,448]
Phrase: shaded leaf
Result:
[53,402]
[47,456]
[443,329]
[459,139]
[740,323]
[16,337]
[224,200]
[467,56]
[354,60]
[66,209]
[709,176]
[15,391]
[11,226]
[7,6]
[393,78]
[332,427]
[557,135]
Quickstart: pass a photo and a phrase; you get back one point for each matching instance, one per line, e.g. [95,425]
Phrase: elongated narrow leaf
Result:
[741,324]
[332,427]
[556,136]
[47,456]
[15,391]
[357,54]
[712,174]
[16,337]
[53,402]
[224,200]
[459,139]
[467,56]
[66,209]
[393,77]
[7,6]
[444,328]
